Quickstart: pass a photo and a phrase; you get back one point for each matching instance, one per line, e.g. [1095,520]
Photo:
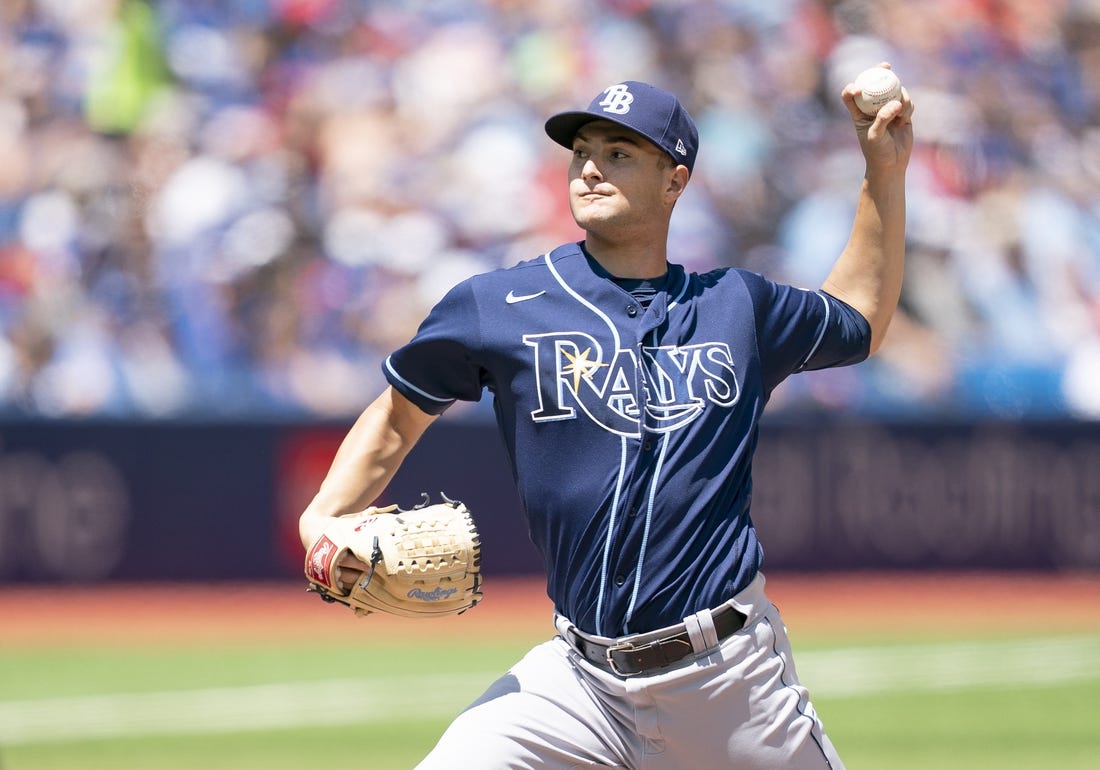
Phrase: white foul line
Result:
[828,673]
[929,667]
[236,709]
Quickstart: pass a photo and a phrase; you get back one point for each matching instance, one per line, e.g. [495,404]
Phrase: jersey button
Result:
[620,579]
[632,310]
[647,445]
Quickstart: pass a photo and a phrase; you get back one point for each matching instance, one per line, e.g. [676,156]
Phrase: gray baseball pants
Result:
[736,705]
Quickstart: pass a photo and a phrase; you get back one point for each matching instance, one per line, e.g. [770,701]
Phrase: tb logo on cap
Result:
[617,100]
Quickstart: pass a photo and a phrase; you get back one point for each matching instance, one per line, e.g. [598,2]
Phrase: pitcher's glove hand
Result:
[425,562]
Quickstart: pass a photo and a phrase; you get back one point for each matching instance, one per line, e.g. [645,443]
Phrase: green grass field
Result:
[947,695]
[1027,702]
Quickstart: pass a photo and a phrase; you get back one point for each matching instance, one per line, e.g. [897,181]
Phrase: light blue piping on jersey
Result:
[674,303]
[610,532]
[645,532]
[623,439]
[622,464]
[603,316]
[410,386]
[649,501]
[821,334]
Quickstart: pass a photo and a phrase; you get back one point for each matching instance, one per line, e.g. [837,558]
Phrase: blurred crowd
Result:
[234,209]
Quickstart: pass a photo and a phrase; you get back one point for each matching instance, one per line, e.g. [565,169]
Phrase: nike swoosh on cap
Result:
[513,298]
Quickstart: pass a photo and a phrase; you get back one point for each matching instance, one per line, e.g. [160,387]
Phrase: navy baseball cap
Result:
[655,114]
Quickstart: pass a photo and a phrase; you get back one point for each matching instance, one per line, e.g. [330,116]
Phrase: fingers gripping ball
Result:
[878,87]
[424,562]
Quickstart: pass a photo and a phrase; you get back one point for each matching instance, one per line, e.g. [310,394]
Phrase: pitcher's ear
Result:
[679,179]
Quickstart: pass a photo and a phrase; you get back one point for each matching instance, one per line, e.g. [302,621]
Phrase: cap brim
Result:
[563,126]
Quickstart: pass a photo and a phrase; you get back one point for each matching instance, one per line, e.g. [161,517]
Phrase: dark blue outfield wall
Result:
[89,502]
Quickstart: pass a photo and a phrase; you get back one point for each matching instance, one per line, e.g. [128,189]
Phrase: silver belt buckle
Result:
[626,646]
[611,661]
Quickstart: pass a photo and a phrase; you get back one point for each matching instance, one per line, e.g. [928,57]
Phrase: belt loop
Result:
[563,625]
[701,631]
[695,634]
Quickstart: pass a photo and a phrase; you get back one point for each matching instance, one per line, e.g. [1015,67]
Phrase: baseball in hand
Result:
[877,86]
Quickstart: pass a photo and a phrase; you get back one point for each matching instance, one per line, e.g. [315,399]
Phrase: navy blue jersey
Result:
[630,428]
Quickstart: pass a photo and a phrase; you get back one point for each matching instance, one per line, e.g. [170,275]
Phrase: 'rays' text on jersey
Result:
[667,389]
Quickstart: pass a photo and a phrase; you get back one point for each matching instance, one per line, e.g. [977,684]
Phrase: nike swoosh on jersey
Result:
[513,298]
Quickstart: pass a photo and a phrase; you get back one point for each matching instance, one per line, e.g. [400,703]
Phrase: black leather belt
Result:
[631,659]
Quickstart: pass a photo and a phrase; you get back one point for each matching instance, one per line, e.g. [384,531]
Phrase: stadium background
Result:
[216,218]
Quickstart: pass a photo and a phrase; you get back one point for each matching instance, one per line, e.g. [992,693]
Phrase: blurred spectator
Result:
[234,210]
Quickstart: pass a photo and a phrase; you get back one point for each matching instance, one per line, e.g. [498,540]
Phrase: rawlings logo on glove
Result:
[319,562]
[424,562]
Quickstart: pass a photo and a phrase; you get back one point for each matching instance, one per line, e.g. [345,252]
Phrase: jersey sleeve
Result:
[801,330]
[438,366]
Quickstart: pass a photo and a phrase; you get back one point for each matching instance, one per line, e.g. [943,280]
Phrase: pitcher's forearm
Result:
[366,461]
[868,274]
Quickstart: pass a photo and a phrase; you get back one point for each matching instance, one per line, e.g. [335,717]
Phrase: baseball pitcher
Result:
[628,392]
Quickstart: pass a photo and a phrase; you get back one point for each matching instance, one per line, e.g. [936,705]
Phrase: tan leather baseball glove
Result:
[424,562]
